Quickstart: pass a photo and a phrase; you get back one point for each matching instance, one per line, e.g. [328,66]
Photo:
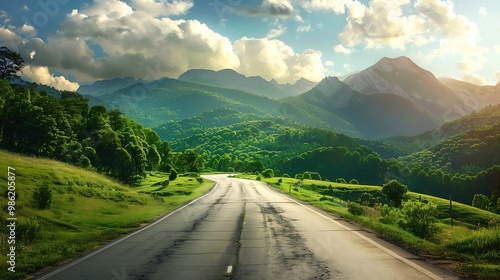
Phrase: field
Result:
[471,246]
[87,210]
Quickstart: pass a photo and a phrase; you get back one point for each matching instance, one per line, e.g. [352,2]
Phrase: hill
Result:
[228,78]
[103,87]
[403,77]
[476,97]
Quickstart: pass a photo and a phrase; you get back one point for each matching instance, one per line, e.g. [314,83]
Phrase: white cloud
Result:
[276,32]
[341,49]
[26,8]
[382,24]
[41,75]
[497,74]
[268,8]
[273,59]
[482,11]
[475,79]
[329,63]
[337,6]
[162,7]
[28,30]
[497,48]
[304,28]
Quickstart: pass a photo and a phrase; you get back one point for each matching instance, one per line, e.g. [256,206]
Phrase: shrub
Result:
[268,173]
[389,215]
[306,175]
[42,197]
[355,209]
[231,169]
[173,175]
[354,182]
[28,231]
[258,178]
[418,218]
[298,176]
[199,180]
[286,176]
[280,180]
[341,181]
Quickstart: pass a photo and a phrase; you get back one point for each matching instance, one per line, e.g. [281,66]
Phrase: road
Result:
[243,229]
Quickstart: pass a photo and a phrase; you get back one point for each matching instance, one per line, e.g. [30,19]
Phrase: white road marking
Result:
[229,269]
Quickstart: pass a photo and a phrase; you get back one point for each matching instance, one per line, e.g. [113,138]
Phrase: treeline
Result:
[65,128]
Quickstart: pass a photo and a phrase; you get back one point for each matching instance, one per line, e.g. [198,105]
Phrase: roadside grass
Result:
[471,245]
[87,210]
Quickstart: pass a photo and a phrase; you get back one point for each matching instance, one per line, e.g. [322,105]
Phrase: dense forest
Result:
[67,129]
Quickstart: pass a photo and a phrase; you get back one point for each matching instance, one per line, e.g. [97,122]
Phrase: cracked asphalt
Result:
[243,229]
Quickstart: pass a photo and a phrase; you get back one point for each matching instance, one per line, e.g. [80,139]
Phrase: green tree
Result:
[153,157]
[394,191]
[189,161]
[481,201]
[354,182]
[418,218]
[306,175]
[268,173]
[10,63]
[355,209]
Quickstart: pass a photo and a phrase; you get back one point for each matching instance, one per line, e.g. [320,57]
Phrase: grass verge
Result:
[87,210]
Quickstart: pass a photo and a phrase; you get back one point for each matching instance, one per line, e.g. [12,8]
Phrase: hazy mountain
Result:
[374,115]
[228,78]
[474,96]
[487,116]
[403,77]
[103,87]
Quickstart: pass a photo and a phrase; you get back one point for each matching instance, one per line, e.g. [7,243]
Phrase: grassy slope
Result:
[471,245]
[87,210]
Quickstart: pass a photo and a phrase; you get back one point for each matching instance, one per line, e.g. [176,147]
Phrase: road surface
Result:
[242,229]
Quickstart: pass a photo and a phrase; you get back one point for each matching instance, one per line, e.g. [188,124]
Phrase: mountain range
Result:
[393,97]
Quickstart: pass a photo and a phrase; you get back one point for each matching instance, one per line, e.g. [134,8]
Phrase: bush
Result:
[286,176]
[199,180]
[42,197]
[173,175]
[298,176]
[341,181]
[258,178]
[354,182]
[28,231]
[268,173]
[231,169]
[280,181]
[389,215]
[306,175]
[418,218]
[355,209]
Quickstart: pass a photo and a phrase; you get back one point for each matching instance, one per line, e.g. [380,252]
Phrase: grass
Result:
[472,244]
[87,210]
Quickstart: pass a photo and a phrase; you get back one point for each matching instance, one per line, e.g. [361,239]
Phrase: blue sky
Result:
[66,43]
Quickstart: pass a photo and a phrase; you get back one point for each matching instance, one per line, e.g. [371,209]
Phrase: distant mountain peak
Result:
[401,63]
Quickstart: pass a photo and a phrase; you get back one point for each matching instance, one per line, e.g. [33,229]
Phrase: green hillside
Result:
[86,210]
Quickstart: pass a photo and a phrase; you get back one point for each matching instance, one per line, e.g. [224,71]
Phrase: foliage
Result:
[419,218]
[394,191]
[10,63]
[354,182]
[389,215]
[355,209]
[481,201]
[173,175]
[42,197]
[268,173]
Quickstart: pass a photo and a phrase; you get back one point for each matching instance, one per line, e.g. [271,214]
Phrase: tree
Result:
[481,201]
[394,191]
[268,173]
[10,63]
[189,161]
[153,157]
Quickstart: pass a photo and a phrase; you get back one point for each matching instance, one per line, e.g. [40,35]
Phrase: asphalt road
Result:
[244,230]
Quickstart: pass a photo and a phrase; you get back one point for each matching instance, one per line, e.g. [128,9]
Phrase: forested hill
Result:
[67,129]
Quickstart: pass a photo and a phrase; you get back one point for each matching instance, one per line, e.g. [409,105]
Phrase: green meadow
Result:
[87,210]
[471,246]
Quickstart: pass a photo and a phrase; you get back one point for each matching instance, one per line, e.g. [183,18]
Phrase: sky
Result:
[68,43]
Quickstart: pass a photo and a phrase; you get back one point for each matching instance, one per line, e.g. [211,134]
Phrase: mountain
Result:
[228,78]
[103,87]
[476,97]
[374,115]
[403,77]
[488,116]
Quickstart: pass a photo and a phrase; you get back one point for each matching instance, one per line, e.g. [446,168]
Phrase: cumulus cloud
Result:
[276,32]
[329,63]
[268,8]
[162,7]
[41,75]
[482,11]
[497,48]
[273,59]
[28,30]
[341,49]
